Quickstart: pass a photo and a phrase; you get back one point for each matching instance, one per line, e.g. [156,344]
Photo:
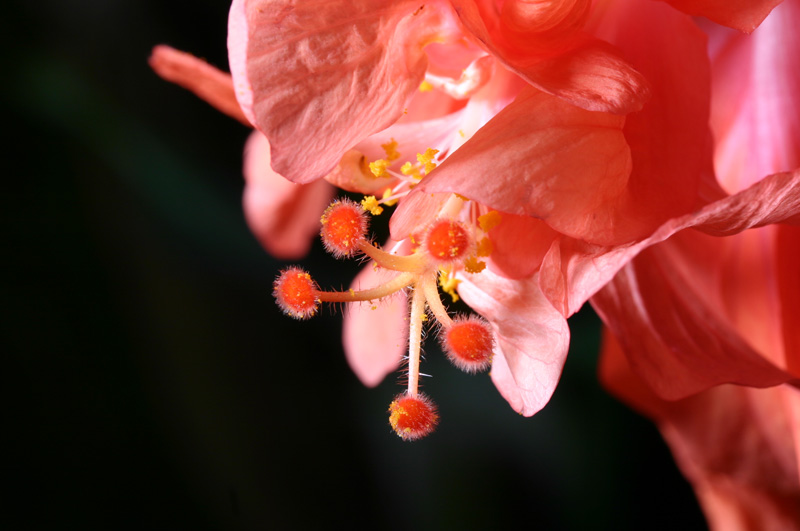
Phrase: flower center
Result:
[450,246]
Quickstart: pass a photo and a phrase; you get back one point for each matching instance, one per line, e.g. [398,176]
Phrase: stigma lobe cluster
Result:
[446,246]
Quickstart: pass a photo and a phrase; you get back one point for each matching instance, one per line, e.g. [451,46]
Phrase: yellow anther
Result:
[391,150]
[473,265]
[386,195]
[484,247]
[489,220]
[378,168]
[425,87]
[411,170]
[449,284]
[427,159]
[371,205]
[460,132]
[423,318]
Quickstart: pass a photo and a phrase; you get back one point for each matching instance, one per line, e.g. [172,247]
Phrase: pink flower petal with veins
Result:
[532,338]
[326,74]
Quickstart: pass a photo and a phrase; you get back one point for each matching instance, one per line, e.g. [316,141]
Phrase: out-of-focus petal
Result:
[321,76]
[375,335]
[787,259]
[736,445]
[208,83]
[283,215]
[755,102]
[532,338]
[744,15]
[542,42]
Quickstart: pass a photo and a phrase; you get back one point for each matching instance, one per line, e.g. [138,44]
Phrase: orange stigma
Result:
[296,293]
[412,417]
[469,344]
[344,227]
[448,241]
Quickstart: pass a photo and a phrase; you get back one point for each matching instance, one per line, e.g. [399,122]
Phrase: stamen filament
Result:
[431,292]
[399,282]
[415,339]
[411,263]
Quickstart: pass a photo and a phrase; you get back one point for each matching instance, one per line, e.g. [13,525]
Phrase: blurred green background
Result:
[151,381]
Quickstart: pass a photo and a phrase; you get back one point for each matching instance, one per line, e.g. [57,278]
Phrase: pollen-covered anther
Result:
[296,293]
[448,241]
[344,227]
[468,343]
[413,416]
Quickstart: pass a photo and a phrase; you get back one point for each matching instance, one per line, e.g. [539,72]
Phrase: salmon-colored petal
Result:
[788,265]
[736,445]
[208,83]
[744,15]
[320,76]
[682,345]
[573,270]
[755,101]
[540,157]
[283,215]
[375,336]
[542,43]
[519,243]
[532,338]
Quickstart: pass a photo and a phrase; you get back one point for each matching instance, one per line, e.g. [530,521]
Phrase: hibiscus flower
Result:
[548,143]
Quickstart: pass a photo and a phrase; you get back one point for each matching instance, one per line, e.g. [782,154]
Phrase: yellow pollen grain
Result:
[425,87]
[371,205]
[426,159]
[489,220]
[485,247]
[473,265]
[391,150]
[449,285]
[378,168]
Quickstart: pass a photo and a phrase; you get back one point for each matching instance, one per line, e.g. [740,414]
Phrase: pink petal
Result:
[532,338]
[539,157]
[788,283]
[283,215]
[736,445]
[209,84]
[744,15]
[542,43]
[519,244]
[320,76]
[375,335]
[682,343]
[755,99]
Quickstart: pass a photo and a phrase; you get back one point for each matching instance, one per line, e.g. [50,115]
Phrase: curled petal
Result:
[532,338]
[317,77]
[283,215]
[543,44]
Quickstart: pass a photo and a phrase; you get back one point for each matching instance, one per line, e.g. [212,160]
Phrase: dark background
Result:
[152,383]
